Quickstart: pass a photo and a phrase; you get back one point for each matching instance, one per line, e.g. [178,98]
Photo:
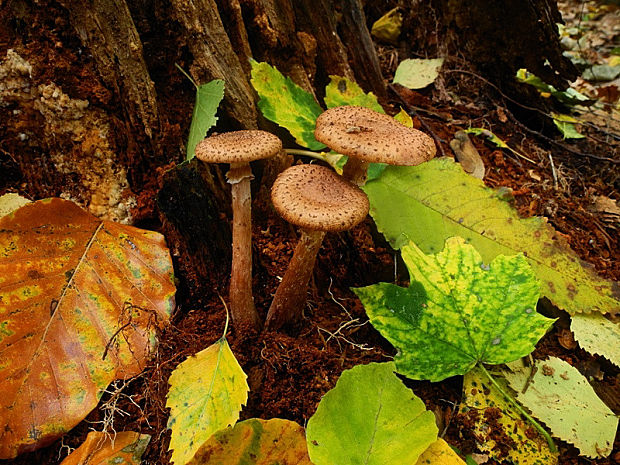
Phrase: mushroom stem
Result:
[290,297]
[355,170]
[242,306]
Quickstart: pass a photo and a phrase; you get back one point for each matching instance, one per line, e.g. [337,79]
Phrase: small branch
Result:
[521,410]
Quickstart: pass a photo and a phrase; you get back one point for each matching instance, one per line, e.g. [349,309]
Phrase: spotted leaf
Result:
[458,311]
[80,301]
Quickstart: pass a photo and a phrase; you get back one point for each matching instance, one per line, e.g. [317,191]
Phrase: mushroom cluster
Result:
[312,197]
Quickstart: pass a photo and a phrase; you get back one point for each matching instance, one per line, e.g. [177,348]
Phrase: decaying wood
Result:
[214,57]
[107,30]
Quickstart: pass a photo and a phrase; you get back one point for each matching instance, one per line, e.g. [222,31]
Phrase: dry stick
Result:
[527,107]
[521,410]
[413,112]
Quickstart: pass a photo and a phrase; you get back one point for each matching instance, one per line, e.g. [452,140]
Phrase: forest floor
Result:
[568,182]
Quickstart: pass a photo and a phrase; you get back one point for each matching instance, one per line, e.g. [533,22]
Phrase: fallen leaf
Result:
[206,394]
[124,448]
[467,155]
[440,453]
[566,339]
[369,417]
[80,303]
[496,432]
[431,202]
[455,313]
[417,73]
[597,335]
[11,202]
[562,398]
[387,27]
[255,442]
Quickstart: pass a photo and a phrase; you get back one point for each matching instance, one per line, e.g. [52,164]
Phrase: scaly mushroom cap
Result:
[238,147]
[372,137]
[314,197]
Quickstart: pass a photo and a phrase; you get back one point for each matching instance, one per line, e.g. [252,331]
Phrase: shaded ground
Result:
[568,183]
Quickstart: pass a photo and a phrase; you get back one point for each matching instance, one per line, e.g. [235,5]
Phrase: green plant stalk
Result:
[521,410]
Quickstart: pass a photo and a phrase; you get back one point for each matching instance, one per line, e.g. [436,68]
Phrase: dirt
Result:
[289,372]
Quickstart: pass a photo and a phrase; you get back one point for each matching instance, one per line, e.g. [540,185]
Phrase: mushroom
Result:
[317,200]
[239,148]
[367,136]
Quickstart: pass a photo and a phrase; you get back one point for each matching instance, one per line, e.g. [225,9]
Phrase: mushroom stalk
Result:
[356,171]
[290,297]
[242,306]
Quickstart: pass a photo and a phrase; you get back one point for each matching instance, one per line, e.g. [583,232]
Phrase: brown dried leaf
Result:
[125,448]
[80,301]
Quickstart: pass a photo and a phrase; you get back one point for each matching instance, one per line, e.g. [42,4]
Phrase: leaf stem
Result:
[521,410]
[186,75]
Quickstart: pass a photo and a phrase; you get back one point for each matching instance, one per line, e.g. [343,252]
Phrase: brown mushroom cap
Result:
[372,137]
[314,197]
[238,147]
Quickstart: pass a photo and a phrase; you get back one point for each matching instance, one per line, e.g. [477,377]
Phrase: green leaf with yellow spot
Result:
[206,394]
[81,300]
[493,417]
[256,442]
[370,417]
[457,312]
[341,91]
[430,202]
[286,104]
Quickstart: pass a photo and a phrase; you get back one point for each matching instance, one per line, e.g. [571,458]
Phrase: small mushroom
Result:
[366,136]
[239,148]
[317,200]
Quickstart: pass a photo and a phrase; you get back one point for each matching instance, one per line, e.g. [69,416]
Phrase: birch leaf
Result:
[417,73]
[124,448]
[206,394]
[208,98]
[563,399]
[256,442]
[11,202]
[436,200]
[286,104]
[370,417]
[80,302]
[457,312]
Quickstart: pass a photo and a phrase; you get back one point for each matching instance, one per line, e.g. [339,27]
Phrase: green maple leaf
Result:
[457,312]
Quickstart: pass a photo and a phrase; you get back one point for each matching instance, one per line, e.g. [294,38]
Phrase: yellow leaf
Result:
[256,442]
[439,453]
[206,394]
[125,448]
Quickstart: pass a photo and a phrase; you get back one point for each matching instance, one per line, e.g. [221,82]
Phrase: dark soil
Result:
[289,372]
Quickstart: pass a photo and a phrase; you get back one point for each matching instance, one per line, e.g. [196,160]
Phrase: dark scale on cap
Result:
[238,147]
[314,197]
[373,137]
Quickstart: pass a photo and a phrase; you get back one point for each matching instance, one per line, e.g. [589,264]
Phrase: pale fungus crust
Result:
[372,137]
[316,198]
[238,147]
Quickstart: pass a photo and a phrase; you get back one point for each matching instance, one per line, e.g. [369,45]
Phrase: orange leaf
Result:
[125,448]
[80,301]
